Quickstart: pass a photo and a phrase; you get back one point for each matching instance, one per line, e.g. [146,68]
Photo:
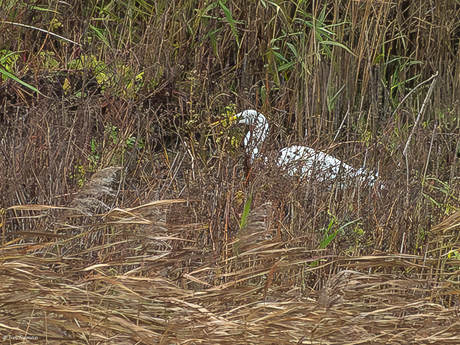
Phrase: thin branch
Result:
[42,30]
[427,97]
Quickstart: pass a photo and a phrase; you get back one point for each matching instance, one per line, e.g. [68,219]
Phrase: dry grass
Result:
[130,276]
[121,205]
[127,309]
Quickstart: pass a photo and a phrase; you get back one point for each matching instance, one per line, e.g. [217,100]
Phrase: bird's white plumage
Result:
[301,160]
[256,136]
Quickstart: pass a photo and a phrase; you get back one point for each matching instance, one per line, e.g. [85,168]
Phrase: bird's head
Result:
[250,117]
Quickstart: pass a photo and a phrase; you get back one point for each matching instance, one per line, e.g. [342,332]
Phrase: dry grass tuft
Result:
[92,197]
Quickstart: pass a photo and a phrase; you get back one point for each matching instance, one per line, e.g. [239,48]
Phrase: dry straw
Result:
[121,279]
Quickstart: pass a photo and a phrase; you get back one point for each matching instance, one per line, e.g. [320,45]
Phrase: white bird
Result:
[302,160]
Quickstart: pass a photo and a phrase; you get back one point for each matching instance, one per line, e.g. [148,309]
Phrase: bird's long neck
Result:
[254,140]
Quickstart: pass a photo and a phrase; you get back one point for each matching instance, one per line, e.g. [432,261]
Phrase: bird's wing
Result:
[306,160]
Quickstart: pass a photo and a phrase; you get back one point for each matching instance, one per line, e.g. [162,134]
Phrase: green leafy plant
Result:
[118,146]
[94,156]
[79,174]
[8,60]
[327,239]
[329,236]
[119,77]
[243,225]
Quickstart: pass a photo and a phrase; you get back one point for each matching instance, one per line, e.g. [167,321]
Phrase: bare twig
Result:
[427,97]
[42,30]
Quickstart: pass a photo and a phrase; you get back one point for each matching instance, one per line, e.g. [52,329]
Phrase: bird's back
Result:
[305,161]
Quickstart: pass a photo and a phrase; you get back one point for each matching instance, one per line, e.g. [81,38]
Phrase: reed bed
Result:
[129,213]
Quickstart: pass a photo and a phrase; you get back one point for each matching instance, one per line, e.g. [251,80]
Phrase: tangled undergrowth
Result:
[128,216]
[93,271]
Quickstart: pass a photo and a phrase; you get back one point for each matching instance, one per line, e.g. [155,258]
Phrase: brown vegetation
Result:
[128,217]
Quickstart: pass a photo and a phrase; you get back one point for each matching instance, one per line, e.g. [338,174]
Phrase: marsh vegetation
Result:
[128,216]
